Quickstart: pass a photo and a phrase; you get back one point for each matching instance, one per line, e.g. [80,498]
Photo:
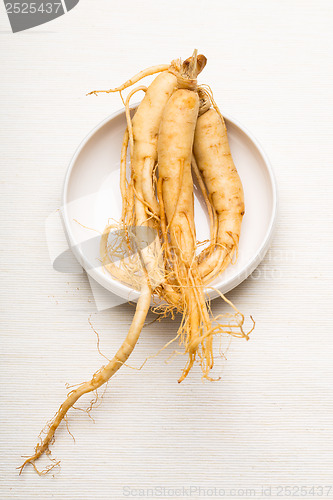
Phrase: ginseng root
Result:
[214,160]
[174,130]
[175,144]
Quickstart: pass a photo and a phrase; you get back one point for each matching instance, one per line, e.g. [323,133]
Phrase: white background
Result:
[269,420]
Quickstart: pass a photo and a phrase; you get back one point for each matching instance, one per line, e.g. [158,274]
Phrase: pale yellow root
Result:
[136,78]
[140,206]
[210,209]
[146,124]
[143,132]
[174,163]
[214,160]
[101,376]
[147,185]
[123,180]
[176,194]
[128,116]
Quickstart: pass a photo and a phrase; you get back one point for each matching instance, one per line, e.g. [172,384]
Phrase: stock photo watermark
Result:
[24,15]
[216,492]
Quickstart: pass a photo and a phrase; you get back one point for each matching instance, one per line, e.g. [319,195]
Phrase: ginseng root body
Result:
[214,160]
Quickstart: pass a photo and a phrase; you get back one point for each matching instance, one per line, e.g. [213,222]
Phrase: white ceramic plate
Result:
[91,196]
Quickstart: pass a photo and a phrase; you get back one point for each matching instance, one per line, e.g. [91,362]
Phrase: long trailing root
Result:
[101,376]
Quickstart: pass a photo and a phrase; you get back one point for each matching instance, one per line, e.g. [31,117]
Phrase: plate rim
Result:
[128,293]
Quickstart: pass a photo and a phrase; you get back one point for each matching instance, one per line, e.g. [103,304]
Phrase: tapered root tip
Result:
[21,467]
